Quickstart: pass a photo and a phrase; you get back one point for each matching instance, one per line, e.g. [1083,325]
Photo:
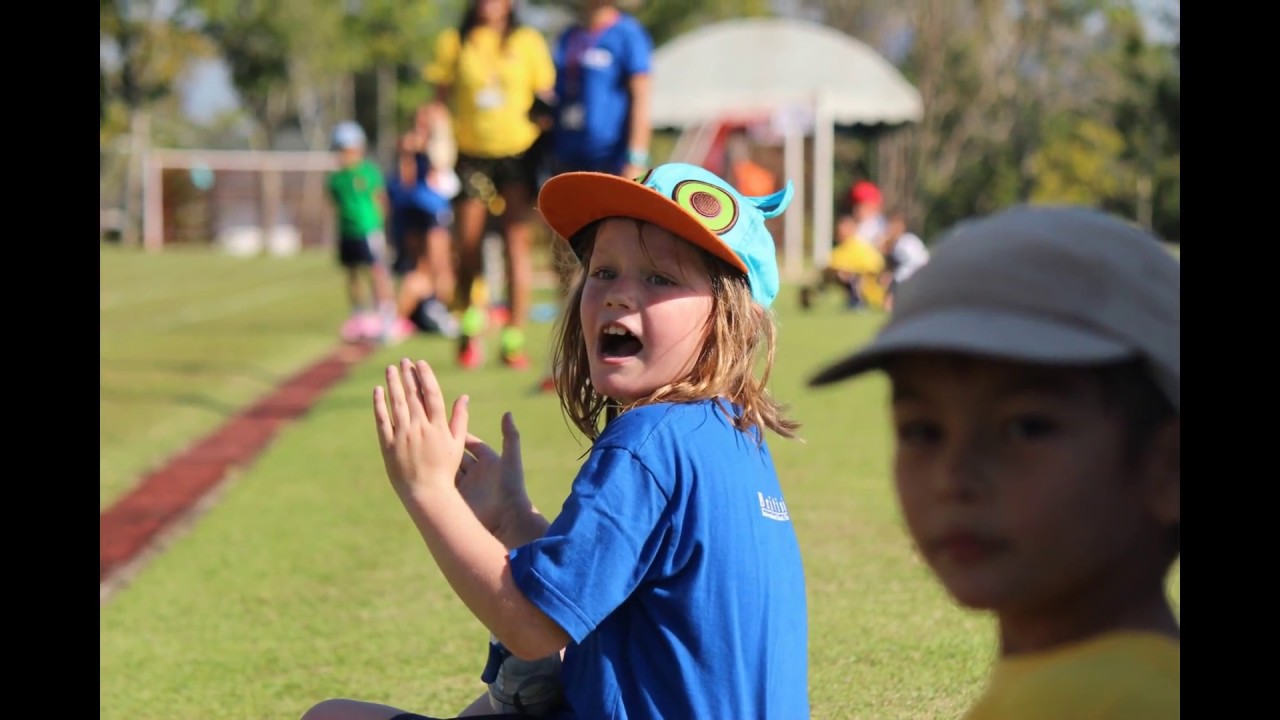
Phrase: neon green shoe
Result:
[472,321]
[512,348]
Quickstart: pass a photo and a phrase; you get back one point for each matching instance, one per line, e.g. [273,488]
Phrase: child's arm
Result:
[422,450]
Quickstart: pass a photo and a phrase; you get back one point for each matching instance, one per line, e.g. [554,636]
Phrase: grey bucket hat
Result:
[1057,285]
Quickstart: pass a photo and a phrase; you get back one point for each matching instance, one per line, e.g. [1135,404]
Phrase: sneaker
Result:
[473,321]
[470,353]
[499,314]
[512,343]
[443,320]
[352,330]
[400,329]
[527,687]
[370,326]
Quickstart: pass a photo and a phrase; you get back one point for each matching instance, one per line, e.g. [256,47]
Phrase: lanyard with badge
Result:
[580,46]
[489,96]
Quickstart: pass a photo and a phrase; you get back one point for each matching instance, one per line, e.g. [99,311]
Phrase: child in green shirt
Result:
[359,196]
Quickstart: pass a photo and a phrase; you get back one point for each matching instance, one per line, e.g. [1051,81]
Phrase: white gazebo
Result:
[807,78]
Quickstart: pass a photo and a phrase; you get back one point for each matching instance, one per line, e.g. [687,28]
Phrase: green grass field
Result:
[308,580]
[189,337]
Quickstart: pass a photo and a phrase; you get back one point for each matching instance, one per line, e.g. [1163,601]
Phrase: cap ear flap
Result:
[772,206]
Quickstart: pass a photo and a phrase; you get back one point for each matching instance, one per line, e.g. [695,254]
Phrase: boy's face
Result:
[864,210]
[1016,487]
[846,226]
[350,155]
[895,227]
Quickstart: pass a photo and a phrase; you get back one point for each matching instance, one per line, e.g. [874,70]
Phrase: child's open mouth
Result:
[618,342]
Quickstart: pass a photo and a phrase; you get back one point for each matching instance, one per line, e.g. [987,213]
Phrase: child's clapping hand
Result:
[421,447]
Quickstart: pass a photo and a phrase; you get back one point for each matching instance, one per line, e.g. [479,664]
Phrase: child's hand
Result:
[493,484]
[421,448]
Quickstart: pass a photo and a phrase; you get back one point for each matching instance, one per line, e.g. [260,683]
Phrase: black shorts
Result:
[415,219]
[482,177]
[356,251]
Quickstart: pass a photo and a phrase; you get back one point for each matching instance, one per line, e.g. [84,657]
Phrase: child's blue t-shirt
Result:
[674,567]
[593,97]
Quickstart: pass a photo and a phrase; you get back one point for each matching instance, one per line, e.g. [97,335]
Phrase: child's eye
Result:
[602,273]
[918,432]
[1029,427]
[660,280]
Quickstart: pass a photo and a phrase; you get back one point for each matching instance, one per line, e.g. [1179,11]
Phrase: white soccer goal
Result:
[246,202]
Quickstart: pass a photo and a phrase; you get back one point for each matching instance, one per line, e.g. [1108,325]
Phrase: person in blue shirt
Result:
[671,580]
[420,221]
[602,92]
[600,121]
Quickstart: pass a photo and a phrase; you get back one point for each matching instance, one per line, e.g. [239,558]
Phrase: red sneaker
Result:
[470,356]
[516,361]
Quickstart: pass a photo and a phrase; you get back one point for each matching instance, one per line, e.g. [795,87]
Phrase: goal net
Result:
[243,202]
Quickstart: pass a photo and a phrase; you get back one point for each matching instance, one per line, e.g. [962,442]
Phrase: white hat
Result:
[1042,284]
[348,134]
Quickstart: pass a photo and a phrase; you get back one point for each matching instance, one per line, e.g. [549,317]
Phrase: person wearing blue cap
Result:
[359,196]
[671,580]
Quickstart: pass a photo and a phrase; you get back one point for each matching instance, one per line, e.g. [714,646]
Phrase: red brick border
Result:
[167,495]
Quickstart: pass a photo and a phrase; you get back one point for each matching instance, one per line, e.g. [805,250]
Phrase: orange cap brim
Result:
[571,201]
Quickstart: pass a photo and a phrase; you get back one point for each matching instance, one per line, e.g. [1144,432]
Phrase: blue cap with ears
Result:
[688,201]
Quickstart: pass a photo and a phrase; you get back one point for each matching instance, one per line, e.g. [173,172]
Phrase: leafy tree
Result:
[1142,102]
[397,39]
[667,19]
[280,54]
[147,46]
[1081,162]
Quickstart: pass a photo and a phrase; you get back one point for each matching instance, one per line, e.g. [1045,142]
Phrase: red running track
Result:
[169,494]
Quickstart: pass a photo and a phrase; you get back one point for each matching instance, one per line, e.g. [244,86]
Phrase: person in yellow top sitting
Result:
[486,74]
[855,265]
[1034,368]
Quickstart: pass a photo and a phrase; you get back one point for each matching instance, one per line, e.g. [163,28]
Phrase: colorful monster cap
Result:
[687,201]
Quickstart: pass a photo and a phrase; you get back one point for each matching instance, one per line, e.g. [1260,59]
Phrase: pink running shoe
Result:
[370,326]
[400,329]
[353,329]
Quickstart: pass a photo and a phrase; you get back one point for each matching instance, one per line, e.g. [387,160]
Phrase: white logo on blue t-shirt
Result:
[773,508]
[597,57]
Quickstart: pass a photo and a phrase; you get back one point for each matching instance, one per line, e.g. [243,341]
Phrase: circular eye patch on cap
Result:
[712,206]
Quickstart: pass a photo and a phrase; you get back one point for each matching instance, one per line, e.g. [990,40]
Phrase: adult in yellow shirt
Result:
[486,75]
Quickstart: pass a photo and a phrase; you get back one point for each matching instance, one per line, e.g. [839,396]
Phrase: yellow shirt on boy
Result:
[1119,676]
[855,256]
[493,87]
